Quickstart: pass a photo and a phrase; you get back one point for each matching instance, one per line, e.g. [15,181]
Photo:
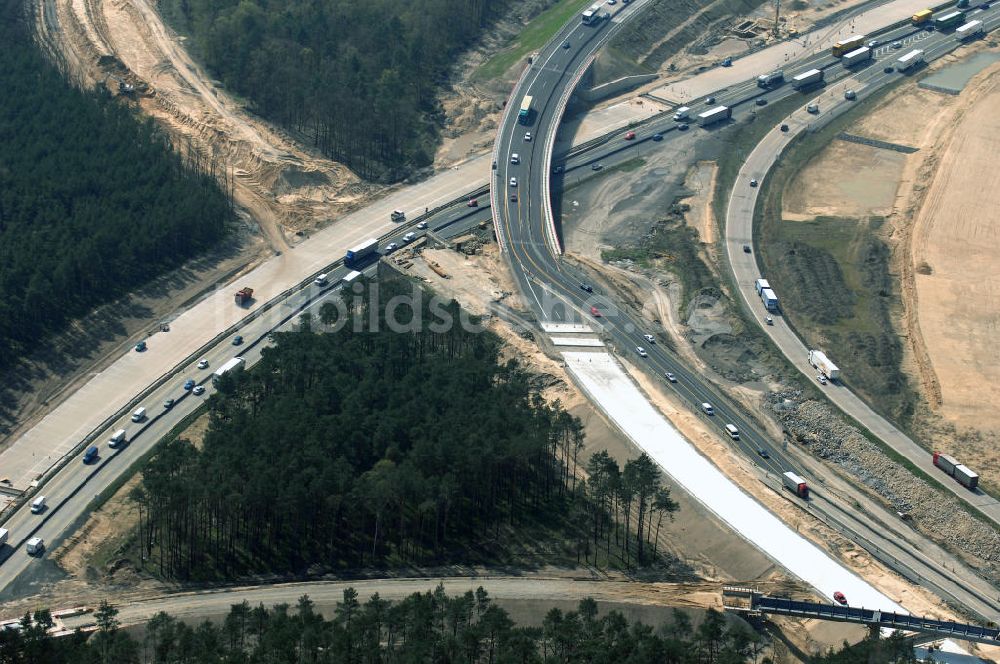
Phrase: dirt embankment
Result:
[941,229]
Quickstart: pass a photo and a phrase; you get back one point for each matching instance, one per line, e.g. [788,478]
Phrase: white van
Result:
[683,113]
[139,415]
[707,407]
[117,438]
[35,546]
[733,432]
[320,280]
[38,505]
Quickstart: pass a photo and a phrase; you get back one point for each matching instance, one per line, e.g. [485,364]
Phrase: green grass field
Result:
[539,31]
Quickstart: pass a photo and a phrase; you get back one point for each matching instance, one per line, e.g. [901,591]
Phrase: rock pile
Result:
[935,513]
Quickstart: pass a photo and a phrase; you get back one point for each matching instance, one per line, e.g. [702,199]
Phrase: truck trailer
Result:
[760,285]
[818,359]
[921,17]
[592,16]
[910,60]
[717,114]
[949,20]
[769,299]
[953,467]
[236,363]
[857,56]
[970,30]
[845,46]
[767,81]
[796,484]
[360,254]
[807,78]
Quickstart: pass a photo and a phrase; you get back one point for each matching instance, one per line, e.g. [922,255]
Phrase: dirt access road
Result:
[280,184]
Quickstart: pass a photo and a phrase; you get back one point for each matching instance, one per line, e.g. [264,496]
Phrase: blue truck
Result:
[362,253]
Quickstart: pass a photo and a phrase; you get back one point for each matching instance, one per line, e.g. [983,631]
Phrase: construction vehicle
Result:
[244,296]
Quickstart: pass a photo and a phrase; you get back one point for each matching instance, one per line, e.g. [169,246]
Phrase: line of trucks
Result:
[766,294]
[954,468]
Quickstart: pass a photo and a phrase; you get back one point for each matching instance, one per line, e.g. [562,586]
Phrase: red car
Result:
[629,136]
[595,312]
[473,202]
[839,596]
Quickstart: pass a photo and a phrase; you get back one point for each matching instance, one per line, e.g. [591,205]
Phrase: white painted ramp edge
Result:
[577,341]
[603,379]
[567,328]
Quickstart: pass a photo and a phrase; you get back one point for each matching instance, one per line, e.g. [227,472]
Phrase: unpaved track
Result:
[281,185]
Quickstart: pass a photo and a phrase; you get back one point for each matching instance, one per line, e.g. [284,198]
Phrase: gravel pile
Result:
[936,513]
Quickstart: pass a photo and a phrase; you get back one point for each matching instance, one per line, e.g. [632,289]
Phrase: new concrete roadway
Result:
[739,231]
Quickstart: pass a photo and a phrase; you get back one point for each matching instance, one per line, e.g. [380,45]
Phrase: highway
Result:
[739,231]
[553,288]
[70,490]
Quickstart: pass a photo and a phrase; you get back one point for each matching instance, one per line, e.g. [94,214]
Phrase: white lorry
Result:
[822,363]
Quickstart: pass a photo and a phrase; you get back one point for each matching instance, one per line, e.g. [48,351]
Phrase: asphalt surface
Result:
[70,491]
[739,232]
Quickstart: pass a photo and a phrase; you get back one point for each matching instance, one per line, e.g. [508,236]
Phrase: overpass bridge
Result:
[749,601]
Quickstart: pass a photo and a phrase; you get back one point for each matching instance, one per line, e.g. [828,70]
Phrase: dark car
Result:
[189,383]
[839,596]
[657,137]
[237,340]
[140,347]
[596,167]
[764,454]
[889,70]
[168,403]
[710,100]
[565,44]
[784,127]
[513,198]
[557,169]
[472,203]
[587,287]
[682,127]
[746,248]
[91,454]
[761,101]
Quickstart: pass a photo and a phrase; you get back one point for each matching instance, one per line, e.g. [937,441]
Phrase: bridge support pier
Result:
[874,631]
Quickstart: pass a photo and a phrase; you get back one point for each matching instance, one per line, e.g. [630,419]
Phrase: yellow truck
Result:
[921,17]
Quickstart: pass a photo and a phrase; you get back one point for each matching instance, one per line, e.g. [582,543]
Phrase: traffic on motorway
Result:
[33,527]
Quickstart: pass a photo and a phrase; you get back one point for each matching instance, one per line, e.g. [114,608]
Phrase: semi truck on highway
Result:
[818,359]
[951,466]
[845,46]
[592,16]
[360,254]
[524,114]
[921,17]
[236,363]
[910,60]
[970,30]
[796,484]
[717,114]
[769,299]
[807,78]
[768,81]
[760,285]
[949,20]
[858,55]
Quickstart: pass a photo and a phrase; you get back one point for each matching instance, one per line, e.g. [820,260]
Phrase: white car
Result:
[391,247]
[409,237]
[202,363]
[199,389]
[642,351]
[527,136]
[707,407]
[513,182]
[672,378]
[649,338]
[821,378]
[422,225]
[515,158]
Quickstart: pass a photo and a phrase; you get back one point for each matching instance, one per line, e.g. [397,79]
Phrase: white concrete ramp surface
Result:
[589,342]
[606,383]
